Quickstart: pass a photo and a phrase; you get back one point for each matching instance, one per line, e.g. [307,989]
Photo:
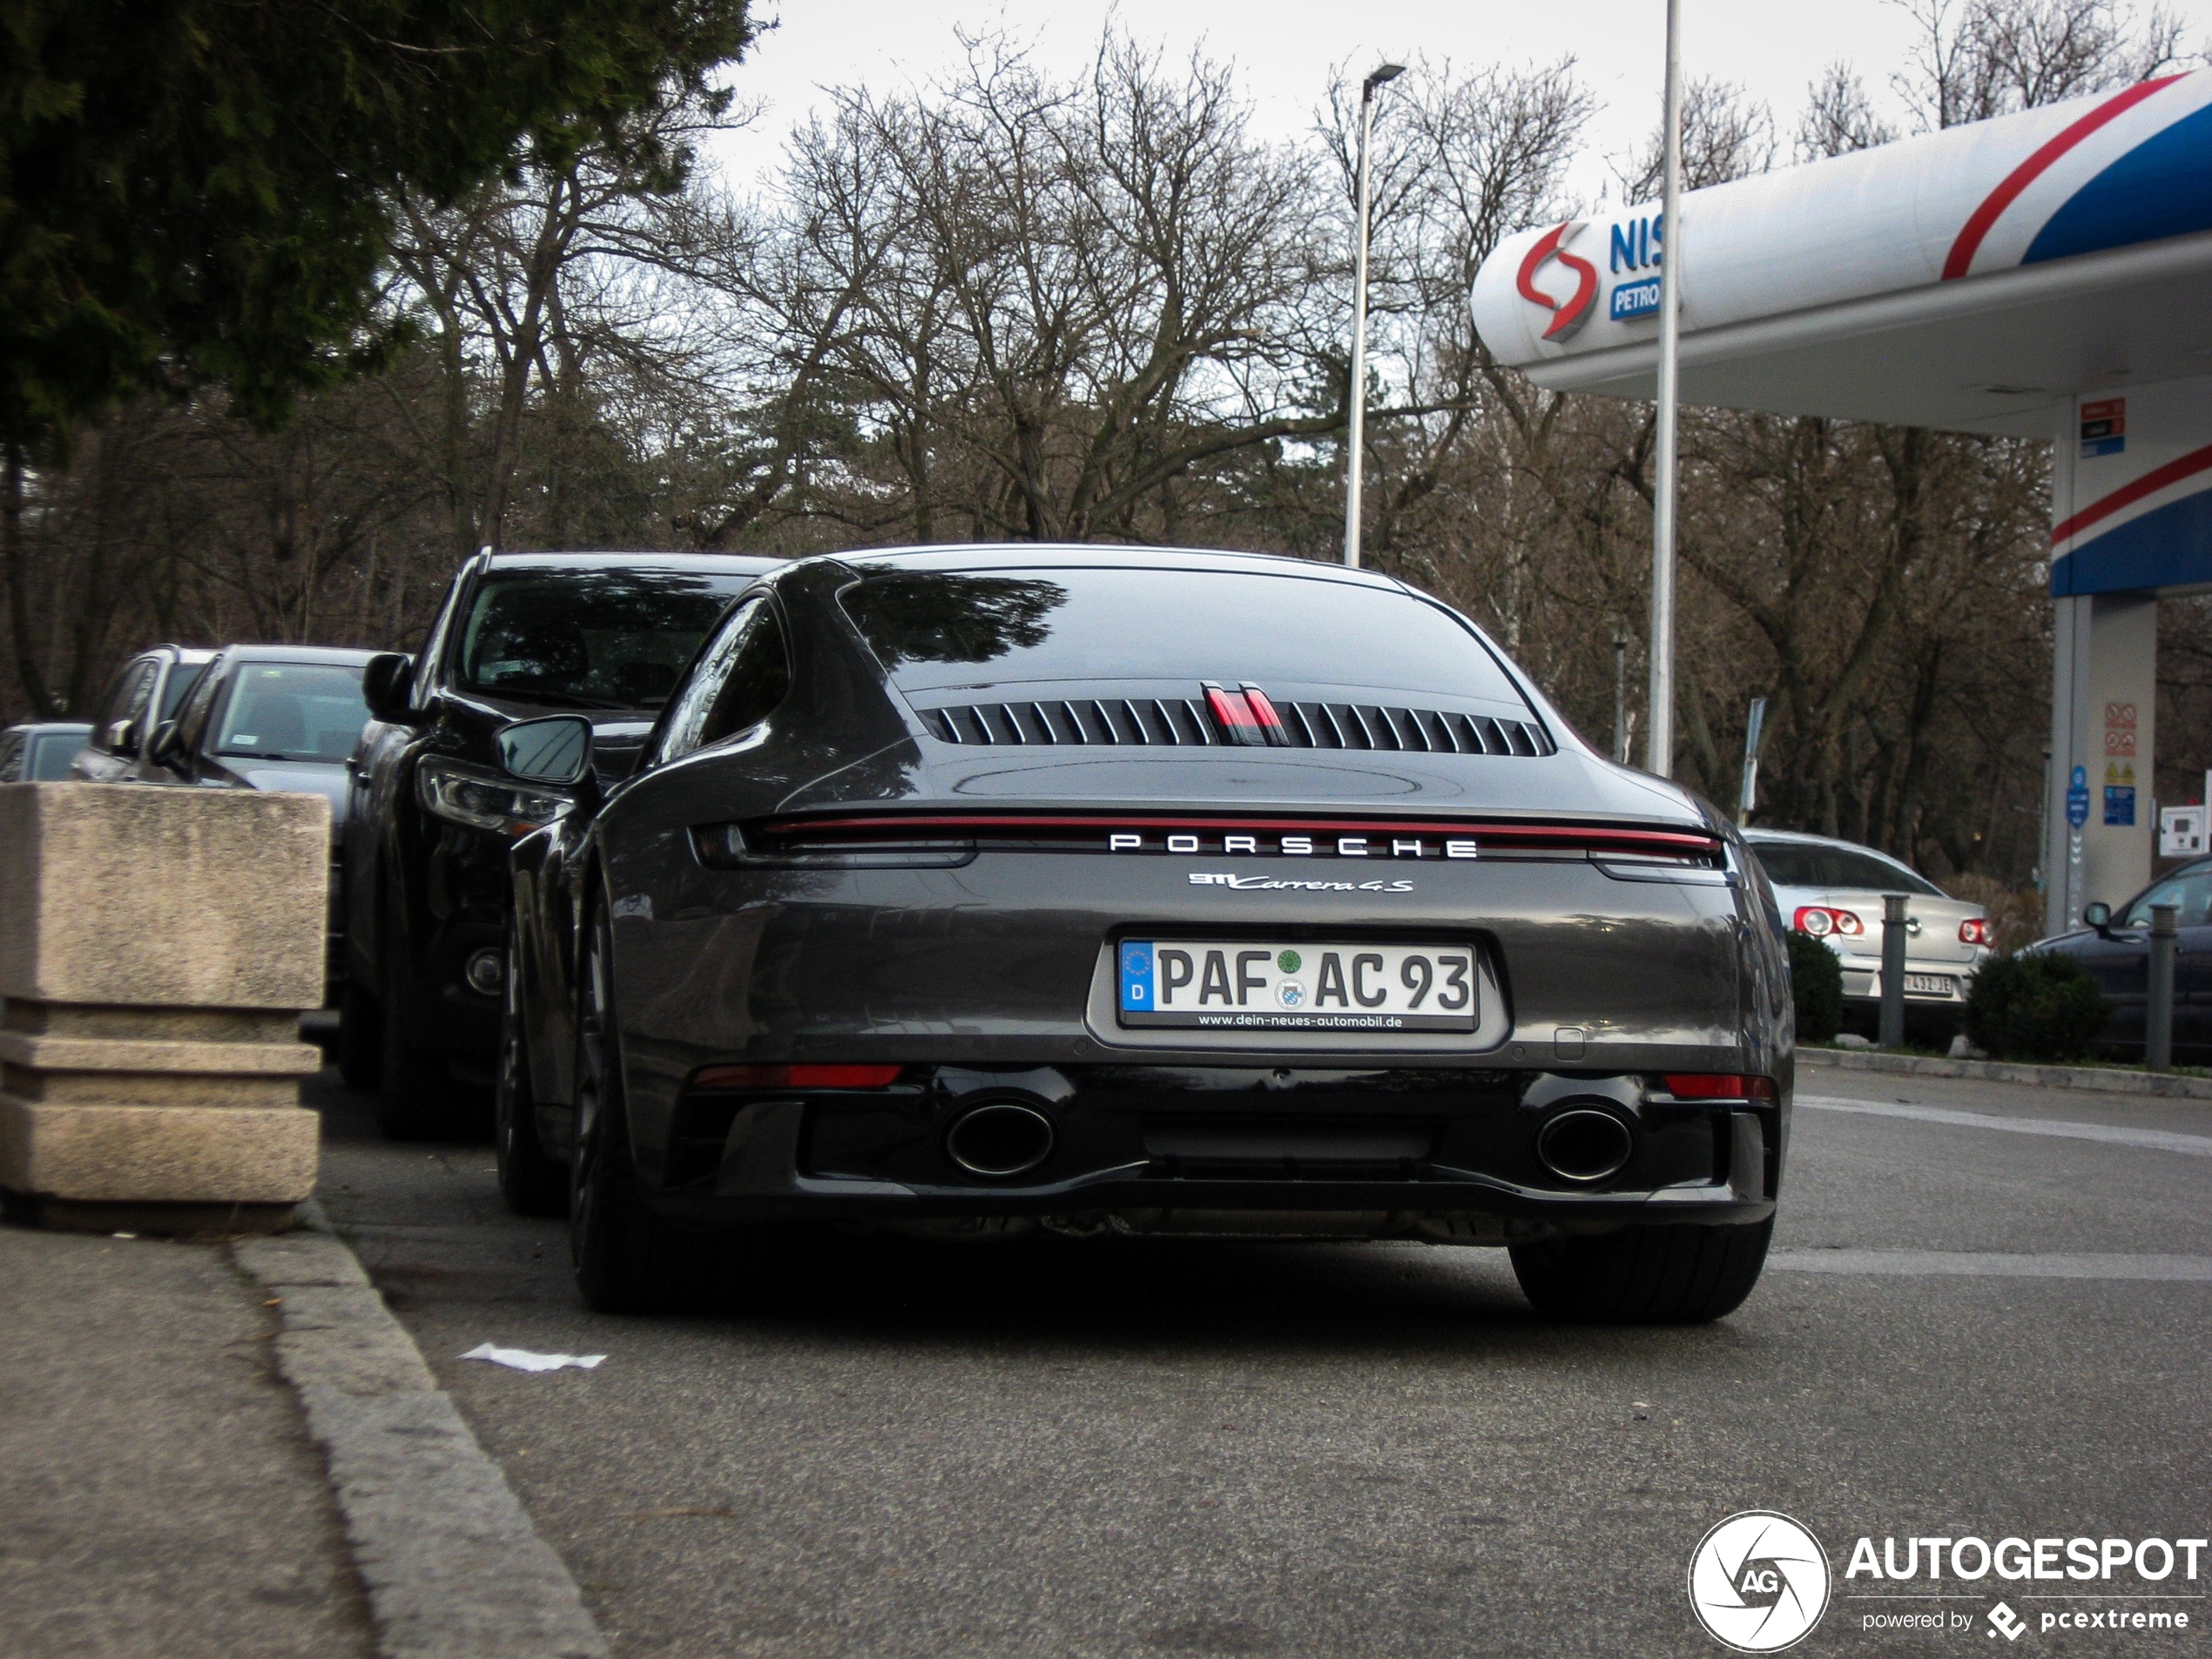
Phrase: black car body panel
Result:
[847,882]
[2118,953]
[427,894]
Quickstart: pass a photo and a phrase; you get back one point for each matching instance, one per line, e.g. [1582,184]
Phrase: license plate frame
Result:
[1930,984]
[1243,984]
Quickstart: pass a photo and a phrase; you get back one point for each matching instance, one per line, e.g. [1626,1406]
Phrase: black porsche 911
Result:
[1139,892]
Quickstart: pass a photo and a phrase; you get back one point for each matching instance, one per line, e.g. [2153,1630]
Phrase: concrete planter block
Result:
[157,945]
[169,898]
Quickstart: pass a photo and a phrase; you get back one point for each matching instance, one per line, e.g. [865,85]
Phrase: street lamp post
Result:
[1355,446]
[1659,756]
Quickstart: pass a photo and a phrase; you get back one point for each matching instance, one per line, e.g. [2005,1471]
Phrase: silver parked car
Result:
[40,751]
[1833,890]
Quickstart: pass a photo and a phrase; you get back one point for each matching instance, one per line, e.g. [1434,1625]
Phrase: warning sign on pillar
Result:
[2104,427]
[2119,765]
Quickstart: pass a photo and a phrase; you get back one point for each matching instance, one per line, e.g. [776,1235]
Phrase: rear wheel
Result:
[414,1092]
[625,1259]
[530,1180]
[1644,1275]
[357,1037]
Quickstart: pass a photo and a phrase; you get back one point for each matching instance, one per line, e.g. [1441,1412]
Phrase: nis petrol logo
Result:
[1566,285]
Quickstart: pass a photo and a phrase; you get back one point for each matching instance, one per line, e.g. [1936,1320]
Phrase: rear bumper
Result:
[1448,1156]
[1863,981]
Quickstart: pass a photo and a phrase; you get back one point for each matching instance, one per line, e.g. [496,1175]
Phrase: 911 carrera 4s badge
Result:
[1326,986]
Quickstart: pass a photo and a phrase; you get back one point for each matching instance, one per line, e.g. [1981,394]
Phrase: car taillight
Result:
[1722,1085]
[1233,716]
[1974,931]
[718,1078]
[1820,920]
[1270,723]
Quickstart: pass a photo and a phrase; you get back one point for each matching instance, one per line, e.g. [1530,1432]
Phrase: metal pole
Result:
[1752,729]
[2158,1010]
[1891,1033]
[1355,450]
[1620,698]
[1660,750]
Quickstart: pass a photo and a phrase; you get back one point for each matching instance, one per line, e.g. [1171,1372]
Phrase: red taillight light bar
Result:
[1718,1085]
[1974,931]
[1085,829]
[1820,920]
[733,1077]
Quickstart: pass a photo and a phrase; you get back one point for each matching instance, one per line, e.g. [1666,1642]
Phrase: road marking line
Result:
[2152,1140]
[1971,1263]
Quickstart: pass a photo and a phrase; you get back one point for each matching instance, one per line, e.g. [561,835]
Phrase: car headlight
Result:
[486,800]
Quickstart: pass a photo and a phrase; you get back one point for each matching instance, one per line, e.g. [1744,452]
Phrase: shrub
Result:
[2035,1005]
[1817,987]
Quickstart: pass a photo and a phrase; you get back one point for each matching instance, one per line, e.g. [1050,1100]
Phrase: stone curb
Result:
[2107,1079]
[453,1567]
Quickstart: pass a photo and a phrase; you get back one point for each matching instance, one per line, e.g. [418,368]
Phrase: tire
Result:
[531,1181]
[414,1092]
[358,1037]
[1644,1275]
[624,1258]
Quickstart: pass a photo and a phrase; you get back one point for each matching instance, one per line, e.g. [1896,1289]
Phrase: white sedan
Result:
[1833,890]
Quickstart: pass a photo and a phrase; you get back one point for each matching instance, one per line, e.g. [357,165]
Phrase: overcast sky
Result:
[1283,49]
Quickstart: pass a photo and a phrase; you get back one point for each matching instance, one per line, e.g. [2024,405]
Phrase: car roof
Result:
[346,656]
[1802,838]
[41,728]
[714,563]
[1075,555]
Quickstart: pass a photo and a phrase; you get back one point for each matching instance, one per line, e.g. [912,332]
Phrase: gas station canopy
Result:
[1968,280]
[2045,275]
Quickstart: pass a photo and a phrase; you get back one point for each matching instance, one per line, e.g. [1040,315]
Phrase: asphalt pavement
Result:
[1987,1316]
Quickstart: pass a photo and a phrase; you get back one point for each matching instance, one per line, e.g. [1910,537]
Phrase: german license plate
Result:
[1927,984]
[1245,983]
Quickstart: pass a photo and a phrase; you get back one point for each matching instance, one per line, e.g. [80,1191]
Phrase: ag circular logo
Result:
[1758,1582]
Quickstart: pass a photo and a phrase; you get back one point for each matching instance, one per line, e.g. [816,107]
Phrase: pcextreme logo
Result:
[1568,316]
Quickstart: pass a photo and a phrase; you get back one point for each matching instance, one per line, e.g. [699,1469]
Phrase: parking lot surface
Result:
[1987,1316]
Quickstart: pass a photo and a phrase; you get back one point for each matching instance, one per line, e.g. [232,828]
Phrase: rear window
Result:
[293,711]
[936,631]
[610,638]
[1789,864]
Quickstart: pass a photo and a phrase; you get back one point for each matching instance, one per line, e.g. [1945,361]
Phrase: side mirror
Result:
[555,749]
[123,737]
[2099,917]
[385,683]
[161,747]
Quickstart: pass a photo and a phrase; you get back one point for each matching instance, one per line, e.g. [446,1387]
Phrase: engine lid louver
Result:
[1185,722]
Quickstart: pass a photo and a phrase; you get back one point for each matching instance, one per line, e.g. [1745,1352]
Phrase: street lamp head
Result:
[1388,72]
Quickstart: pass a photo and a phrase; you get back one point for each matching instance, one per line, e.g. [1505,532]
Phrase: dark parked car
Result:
[277,718]
[39,752]
[1139,892]
[2116,946]
[519,635]
[145,691]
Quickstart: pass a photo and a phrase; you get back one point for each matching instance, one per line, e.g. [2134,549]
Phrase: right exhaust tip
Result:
[1584,1145]
[1000,1139]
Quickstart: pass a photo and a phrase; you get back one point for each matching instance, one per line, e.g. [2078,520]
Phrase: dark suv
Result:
[520,634]
[145,691]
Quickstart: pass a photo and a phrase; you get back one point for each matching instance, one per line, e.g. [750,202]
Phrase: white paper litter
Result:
[524,1359]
